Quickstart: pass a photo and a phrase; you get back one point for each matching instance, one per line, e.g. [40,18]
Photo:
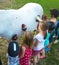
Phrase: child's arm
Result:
[23,52]
[35,42]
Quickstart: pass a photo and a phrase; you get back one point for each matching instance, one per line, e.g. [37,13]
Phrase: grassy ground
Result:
[53,55]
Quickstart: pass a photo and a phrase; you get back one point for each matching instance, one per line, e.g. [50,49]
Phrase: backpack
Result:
[13,49]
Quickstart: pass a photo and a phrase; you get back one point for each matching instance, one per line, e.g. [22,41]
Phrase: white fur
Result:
[11,20]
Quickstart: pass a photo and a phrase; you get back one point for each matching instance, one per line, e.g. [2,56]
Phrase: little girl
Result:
[26,49]
[38,49]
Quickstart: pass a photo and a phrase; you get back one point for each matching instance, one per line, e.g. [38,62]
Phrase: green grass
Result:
[51,59]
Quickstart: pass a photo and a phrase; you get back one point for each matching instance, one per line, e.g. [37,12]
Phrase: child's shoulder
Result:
[48,35]
[22,48]
[39,36]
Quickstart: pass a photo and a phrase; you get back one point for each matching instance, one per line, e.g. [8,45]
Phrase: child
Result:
[54,14]
[13,51]
[26,49]
[51,27]
[38,49]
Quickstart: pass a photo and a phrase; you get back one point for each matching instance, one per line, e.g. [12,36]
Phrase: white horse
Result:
[12,20]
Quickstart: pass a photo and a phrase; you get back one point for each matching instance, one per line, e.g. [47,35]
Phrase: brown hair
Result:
[28,39]
[54,12]
[14,37]
[44,26]
[44,17]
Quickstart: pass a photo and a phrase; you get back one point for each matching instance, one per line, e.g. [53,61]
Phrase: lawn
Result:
[53,55]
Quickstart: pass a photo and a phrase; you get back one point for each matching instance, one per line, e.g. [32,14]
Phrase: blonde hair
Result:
[28,39]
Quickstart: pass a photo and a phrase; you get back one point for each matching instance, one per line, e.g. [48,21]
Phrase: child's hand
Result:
[7,55]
